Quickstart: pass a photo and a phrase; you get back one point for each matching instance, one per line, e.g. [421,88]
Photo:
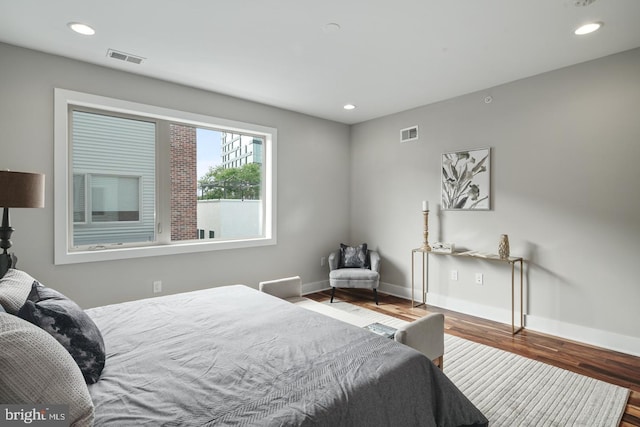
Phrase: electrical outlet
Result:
[157,286]
[454,275]
[323,261]
[479,279]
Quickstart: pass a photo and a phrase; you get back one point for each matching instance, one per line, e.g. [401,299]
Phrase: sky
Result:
[208,149]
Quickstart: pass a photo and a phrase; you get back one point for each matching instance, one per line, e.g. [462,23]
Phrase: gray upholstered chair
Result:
[425,335]
[368,278]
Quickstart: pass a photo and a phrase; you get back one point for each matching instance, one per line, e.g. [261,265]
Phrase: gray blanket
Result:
[235,356]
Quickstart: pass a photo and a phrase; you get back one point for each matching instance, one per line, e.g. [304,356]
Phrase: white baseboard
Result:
[395,290]
[496,314]
[309,288]
[597,337]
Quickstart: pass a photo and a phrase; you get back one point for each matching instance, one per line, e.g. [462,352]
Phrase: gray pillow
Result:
[70,325]
[15,286]
[354,257]
[35,368]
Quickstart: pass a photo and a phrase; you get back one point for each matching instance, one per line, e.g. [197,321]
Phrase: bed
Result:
[222,356]
[234,356]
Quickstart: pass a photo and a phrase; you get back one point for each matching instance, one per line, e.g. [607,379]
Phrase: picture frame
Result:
[466,179]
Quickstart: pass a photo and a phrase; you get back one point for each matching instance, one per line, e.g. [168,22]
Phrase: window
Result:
[113,162]
[115,199]
[136,180]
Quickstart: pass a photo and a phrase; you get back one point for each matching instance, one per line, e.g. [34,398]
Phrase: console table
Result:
[512,261]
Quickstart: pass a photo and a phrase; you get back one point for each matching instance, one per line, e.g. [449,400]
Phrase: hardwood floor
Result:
[606,365]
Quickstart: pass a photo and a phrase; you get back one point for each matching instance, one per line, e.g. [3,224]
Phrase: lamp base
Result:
[5,231]
[5,243]
[5,263]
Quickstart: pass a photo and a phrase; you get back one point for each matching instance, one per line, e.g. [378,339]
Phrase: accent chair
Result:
[367,276]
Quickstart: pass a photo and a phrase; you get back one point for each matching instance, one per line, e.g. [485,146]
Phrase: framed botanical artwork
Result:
[466,183]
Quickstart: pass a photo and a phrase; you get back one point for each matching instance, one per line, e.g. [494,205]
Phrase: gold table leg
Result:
[413,254]
[513,326]
[425,277]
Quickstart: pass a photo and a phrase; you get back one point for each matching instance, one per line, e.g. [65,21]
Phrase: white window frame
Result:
[63,195]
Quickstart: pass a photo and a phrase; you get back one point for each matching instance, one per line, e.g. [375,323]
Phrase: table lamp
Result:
[17,190]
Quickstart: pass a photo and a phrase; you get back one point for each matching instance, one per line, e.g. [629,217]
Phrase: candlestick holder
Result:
[425,244]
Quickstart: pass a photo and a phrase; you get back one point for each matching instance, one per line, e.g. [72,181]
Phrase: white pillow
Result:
[35,368]
[14,290]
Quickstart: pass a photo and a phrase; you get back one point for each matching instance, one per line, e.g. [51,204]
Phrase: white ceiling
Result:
[388,56]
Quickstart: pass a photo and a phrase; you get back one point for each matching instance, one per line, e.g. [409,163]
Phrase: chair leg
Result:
[333,292]
[375,294]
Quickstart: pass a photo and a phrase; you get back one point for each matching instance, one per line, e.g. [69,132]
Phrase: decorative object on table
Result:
[503,247]
[443,248]
[466,180]
[381,329]
[425,213]
[17,190]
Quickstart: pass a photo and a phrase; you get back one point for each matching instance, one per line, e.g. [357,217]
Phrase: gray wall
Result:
[313,163]
[565,151]
[565,174]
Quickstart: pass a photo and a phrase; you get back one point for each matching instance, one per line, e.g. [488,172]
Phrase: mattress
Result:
[234,356]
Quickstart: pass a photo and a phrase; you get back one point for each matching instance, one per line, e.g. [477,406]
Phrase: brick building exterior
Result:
[184,183]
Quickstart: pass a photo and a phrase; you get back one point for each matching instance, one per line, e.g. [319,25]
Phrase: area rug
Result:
[512,390]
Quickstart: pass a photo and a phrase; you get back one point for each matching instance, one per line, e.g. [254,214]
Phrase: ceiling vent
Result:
[409,134]
[127,57]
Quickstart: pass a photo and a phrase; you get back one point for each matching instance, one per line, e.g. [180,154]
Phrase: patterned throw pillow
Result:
[69,325]
[354,257]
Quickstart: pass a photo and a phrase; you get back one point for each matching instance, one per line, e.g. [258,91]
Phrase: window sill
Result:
[116,253]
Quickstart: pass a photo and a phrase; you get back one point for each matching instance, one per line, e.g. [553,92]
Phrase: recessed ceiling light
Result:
[80,28]
[349,107]
[588,28]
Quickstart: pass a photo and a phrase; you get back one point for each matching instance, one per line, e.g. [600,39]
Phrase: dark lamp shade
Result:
[21,190]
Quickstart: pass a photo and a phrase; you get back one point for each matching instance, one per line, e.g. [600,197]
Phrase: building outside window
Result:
[113,160]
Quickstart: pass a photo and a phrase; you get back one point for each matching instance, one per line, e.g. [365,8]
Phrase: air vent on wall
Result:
[127,57]
[409,134]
